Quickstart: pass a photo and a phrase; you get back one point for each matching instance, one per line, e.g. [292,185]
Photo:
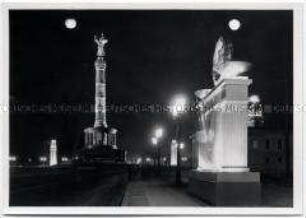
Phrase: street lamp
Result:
[139,160]
[254,99]
[154,141]
[148,160]
[178,108]
[43,160]
[158,133]
[182,145]
[12,158]
[65,159]
[254,110]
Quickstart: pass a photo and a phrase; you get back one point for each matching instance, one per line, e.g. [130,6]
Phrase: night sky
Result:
[151,57]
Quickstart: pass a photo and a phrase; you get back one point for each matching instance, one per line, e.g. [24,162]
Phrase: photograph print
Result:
[152,108]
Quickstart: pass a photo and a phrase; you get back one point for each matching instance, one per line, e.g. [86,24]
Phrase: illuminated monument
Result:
[222,176]
[100,140]
[99,134]
[53,153]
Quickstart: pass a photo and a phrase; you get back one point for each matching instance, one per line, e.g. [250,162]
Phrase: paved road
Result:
[158,193]
[163,193]
[70,186]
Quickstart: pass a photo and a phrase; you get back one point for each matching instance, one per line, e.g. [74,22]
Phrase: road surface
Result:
[158,193]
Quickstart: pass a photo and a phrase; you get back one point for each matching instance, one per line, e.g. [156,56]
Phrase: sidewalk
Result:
[157,193]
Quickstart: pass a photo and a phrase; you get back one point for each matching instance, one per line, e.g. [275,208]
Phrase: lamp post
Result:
[154,143]
[255,110]
[43,160]
[155,140]
[177,109]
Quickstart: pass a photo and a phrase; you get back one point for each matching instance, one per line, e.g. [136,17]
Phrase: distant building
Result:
[269,152]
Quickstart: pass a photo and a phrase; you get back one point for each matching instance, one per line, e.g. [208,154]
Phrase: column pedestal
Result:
[226,189]
[223,177]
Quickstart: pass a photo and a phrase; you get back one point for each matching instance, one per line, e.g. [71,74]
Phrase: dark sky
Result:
[151,56]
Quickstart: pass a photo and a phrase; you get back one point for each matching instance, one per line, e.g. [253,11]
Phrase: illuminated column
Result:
[100,84]
[173,154]
[53,153]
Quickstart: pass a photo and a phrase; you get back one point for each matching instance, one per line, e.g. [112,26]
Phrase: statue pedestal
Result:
[226,189]
[223,177]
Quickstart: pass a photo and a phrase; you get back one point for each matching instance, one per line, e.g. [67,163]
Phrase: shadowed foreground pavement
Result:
[158,193]
[163,192]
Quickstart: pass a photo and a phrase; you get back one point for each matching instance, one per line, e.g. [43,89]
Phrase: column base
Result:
[226,188]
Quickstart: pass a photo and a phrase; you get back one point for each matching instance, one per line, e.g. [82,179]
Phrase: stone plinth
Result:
[222,137]
[223,177]
[226,189]
[95,136]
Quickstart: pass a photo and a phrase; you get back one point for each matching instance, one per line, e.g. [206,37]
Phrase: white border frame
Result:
[298,99]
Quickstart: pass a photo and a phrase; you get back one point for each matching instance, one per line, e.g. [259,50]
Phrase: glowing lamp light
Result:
[154,141]
[70,23]
[12,158]
[113,131]
[174,143]
[254,99]
[148,159]
[234,24]
[64,159]
[184,159]
[139,160]
[178,105]
[42,159]
[182,145]
[159,133]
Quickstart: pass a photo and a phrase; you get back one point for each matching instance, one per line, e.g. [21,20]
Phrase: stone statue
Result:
[101,43]
[223,65]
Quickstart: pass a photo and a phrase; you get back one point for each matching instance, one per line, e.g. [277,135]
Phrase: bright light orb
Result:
[138,161]
[178,105]
[234,24]
[159,133]
[12,158]
[154,141]
[70,23]
[254,99]
[182,146]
